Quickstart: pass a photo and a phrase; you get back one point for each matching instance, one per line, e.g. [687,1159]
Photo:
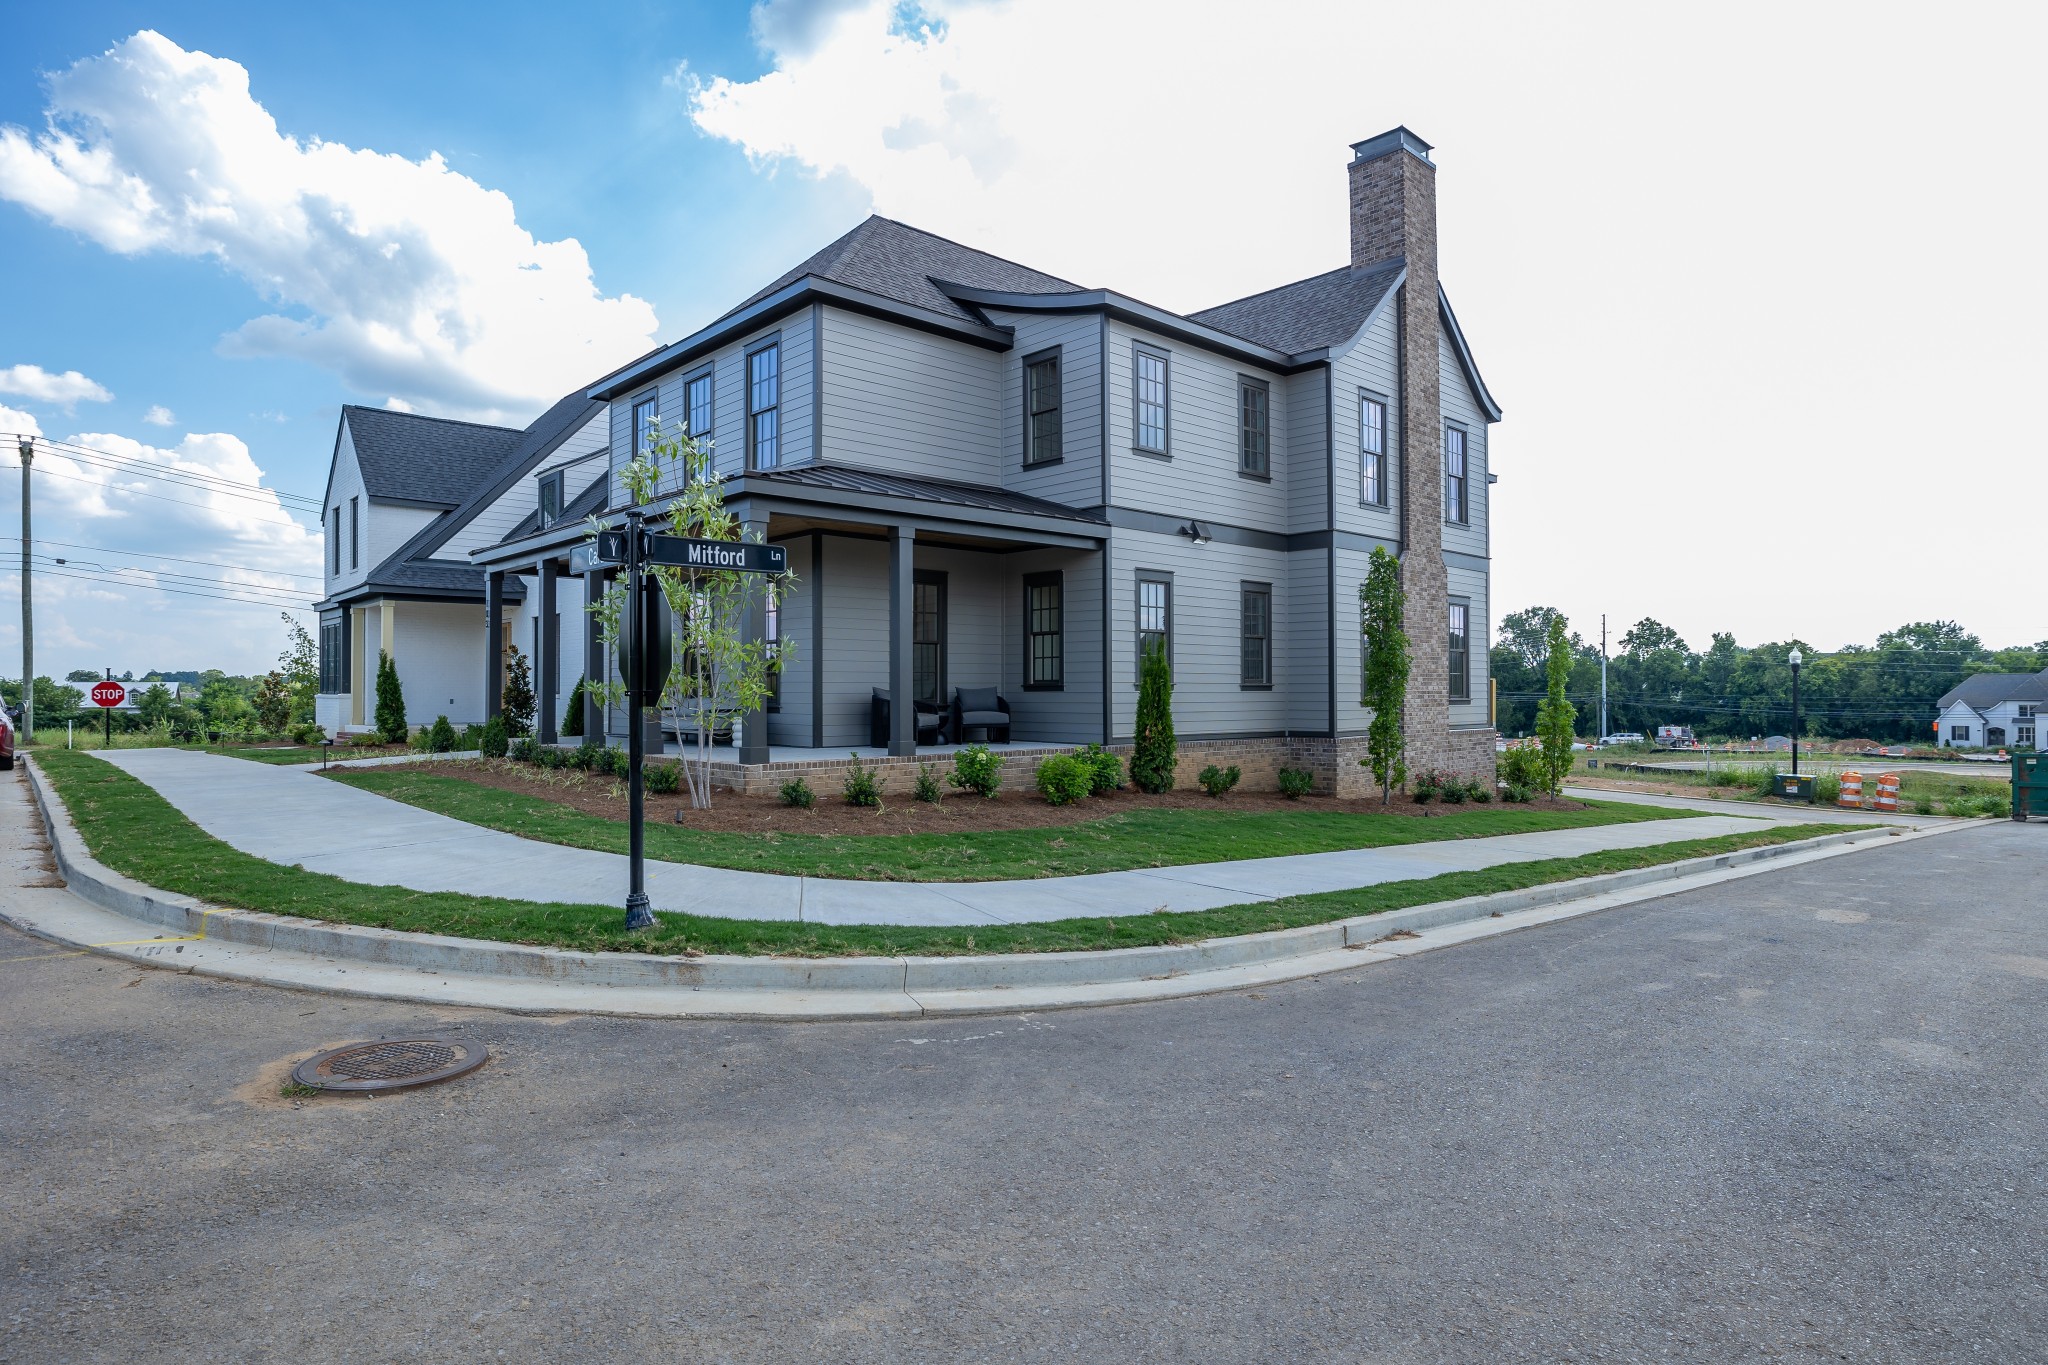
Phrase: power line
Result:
[138,493]
[73,449]
[283,596]
[174,559]
[157,587]
[198,483]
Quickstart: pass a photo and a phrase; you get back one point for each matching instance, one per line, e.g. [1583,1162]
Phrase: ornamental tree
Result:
[1555,714]
[1155,751]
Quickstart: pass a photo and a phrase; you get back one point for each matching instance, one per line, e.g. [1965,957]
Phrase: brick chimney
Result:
[1393,217]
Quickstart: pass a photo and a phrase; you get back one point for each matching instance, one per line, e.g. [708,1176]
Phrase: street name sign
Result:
[741,556]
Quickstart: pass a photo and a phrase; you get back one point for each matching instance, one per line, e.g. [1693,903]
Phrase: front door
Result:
[928,636]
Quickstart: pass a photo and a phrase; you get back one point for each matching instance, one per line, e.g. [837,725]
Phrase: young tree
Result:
[391,726]
[300,666]
[1555,714]
[1155,749]
[274,703]
[153,704]
[1382,608]
[716,671]
[518,703]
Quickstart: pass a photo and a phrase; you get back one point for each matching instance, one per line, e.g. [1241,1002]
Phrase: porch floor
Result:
[791,753]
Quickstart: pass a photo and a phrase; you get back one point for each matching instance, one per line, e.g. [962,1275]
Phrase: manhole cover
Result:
[390,1064]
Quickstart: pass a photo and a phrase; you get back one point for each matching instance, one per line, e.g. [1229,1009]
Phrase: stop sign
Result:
[108,693]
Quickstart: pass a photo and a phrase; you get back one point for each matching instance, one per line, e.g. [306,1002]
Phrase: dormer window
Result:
[550,497]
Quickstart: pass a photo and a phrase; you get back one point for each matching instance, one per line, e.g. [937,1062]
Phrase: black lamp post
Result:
[1795,660]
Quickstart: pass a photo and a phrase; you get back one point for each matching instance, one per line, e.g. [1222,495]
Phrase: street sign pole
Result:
[639,912]
[108,713]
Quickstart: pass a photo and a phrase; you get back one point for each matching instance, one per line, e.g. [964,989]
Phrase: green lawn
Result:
[134,831]
[1136,838]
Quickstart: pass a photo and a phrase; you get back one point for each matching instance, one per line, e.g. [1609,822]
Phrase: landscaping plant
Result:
[977,769]
[518,703]
[861,788]
[928,788]
[495,740]
[797,792]
[440,736]
[274,703]
[390,717]
[1428,784]
[1155,750]
[663,779]
[1217,781]
[1296,783]
[572,715]
[1105,769]
[1064,780]
[1555,715]
[720,668]
[1382,607]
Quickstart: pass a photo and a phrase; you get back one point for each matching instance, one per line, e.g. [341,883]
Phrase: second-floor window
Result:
[1149,371]
[697,397]
[551,497]
[1372,452]
[1042,409]
[764,397]
[1044,633]
[355,533]
[1461,653]
[334,542]
[1254,419]
[1454,476]
[643,428]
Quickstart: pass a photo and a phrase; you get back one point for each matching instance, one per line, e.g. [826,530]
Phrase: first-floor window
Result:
[1461,653]
[334,656]
[1155,617]
[1959,734]
[1255,635]
[2023,733]
[1045,665]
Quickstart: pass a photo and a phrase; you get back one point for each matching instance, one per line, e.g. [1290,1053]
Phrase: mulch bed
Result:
[899,814]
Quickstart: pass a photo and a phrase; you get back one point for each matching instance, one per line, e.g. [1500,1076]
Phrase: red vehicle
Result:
[6,740]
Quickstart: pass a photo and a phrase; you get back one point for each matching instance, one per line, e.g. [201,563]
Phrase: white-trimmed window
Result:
[1372,451]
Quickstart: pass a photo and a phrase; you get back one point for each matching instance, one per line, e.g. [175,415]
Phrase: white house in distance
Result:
[1993,711]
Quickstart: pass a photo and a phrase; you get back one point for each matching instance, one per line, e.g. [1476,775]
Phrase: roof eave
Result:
[1464,354]
[1131,310]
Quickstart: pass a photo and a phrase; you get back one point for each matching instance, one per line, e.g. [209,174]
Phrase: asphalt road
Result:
[1797,1117]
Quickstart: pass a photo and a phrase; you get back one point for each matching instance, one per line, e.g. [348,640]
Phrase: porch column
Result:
[550,661]
[593,660]
[494,651]
[902,711]
[753,746]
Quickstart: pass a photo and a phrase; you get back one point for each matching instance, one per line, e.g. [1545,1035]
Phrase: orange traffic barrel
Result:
[1852,791]
[1888,792]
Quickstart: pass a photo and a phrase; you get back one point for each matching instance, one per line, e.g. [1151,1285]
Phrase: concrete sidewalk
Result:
[299,818]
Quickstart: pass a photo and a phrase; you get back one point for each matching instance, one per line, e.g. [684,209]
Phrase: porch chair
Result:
[980,708]
[931,725]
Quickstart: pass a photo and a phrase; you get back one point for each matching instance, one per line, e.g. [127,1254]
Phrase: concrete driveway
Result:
[1797,1117]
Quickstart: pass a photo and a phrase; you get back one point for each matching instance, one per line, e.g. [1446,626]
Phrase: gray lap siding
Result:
[910,402]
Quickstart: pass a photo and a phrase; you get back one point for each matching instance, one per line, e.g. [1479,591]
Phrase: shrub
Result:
[308,733]
[472,737]
[614,762]
[441,736]
[1518,793]
[663,779]
[928,788]
[977,769]
[572,715]
[420,741]
[518,700]
[1451,793]
[1105,769]
[1153,754]
[1064,779]
[1217,781]
[1428,783]
[525,750]
[797,792]
[1482,792]
[1826,789]
[584,757]
[860,788]
[492,741]
[1296,783]
[390,717]
[1524,767]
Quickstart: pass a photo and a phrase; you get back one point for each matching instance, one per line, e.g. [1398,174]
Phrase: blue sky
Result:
[1727,289]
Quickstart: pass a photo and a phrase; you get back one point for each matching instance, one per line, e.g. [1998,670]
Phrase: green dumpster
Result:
[2029,786]
[1790,788]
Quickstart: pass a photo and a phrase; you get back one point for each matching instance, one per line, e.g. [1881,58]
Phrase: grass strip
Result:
[136,832]
[1115,843]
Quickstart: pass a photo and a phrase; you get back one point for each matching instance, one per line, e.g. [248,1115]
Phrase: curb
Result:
[811,988]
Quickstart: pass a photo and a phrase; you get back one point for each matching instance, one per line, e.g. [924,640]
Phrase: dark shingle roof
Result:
[897,261]
[845,479]
[1985,690]
[439,575]
[1308,315]
[405,457]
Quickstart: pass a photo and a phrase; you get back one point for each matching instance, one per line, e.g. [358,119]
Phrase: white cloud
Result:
[19,422]
[66,389]
[410,280]
[159,416]
[1684,257]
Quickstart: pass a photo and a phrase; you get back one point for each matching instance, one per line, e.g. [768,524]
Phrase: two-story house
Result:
[1993,711]
[407,497]
[987,476]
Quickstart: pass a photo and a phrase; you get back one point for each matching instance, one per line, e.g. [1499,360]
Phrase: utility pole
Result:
[28,597]
[1603,675]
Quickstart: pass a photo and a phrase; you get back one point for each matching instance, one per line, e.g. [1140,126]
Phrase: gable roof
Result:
[426,461]
[897,261]
[1309,315]
[587,503]
[1982,691]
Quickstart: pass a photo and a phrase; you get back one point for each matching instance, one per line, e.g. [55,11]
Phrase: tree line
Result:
[1885,691]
